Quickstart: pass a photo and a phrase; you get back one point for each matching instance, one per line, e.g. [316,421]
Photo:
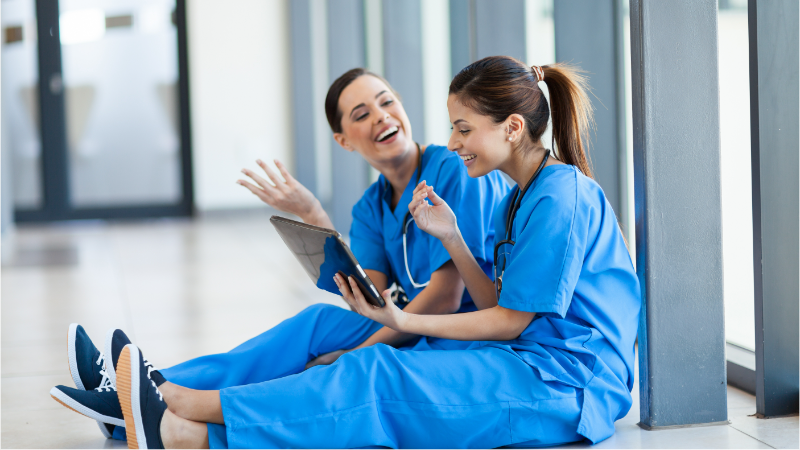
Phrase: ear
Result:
[515,125]
[343,142]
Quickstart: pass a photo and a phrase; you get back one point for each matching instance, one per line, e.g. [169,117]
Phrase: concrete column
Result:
[500,28]
[773,31]
[402,58]
[678,212]
[346,50]
[481,28]
[590,35]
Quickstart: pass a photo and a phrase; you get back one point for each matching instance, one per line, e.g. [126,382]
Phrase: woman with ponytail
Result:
[546,359]
[558,323]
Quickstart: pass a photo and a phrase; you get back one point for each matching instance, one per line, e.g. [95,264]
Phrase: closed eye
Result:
[361,117]
[387,102]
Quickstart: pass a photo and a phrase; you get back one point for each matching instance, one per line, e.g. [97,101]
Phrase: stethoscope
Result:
[399,296]
[407,219]
[516,200]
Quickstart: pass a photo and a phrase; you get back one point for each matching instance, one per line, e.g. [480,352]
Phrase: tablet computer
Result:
[323,253]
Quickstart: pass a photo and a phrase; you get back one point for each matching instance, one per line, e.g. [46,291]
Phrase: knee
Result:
[318,310]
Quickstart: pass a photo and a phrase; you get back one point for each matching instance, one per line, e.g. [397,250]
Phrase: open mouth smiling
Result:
[468,157]
[387,134]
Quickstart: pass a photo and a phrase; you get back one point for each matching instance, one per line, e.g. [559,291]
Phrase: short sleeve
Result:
[546,261]
[366,240]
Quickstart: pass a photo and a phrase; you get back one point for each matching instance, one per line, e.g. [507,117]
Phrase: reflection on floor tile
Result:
[186,288]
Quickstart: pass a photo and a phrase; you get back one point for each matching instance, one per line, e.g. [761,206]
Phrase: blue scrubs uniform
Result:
[567,377]
[376,241]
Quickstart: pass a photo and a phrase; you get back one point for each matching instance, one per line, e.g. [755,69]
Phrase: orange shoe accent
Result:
[124,394]
[68,407]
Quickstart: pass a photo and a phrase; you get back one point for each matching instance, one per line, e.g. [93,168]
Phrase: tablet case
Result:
[323,253]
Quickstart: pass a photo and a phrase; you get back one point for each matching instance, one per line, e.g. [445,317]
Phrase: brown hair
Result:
[499,86]
[332,110]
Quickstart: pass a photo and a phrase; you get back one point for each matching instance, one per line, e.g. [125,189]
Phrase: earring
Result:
[510,139]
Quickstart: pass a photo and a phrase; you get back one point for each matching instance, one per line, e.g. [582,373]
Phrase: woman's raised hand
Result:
[288,196]
[436,219]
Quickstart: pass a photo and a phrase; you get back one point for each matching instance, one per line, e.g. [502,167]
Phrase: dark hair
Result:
[332,110]
[499,86]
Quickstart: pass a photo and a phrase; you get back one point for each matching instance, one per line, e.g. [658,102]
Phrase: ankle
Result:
[177,432]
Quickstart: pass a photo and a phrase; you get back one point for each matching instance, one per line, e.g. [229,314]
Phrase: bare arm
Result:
[287,196]
[491,324]
[441,296]
[439,221]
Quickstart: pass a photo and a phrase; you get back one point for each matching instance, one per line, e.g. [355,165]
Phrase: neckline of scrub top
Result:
[400,212]
[542,175]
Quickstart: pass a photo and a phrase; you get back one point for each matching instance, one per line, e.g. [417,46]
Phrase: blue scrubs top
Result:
[376,235]
[570,266]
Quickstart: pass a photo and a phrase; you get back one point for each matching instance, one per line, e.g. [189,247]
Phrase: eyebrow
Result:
[362,104]
[459,121]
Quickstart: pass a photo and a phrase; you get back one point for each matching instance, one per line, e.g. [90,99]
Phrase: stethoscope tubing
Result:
[516,201]
[407,221]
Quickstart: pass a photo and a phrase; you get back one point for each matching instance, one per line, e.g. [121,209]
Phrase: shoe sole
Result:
[70,403]
[128,392]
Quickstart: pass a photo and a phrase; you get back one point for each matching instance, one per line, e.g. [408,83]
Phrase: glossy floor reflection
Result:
[184,288]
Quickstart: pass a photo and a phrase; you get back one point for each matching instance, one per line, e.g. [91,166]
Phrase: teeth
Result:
[467,157]
[387,132]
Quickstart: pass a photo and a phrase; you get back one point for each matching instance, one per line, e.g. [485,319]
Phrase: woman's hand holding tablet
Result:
[389,315]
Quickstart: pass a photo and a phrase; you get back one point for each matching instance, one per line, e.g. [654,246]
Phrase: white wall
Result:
[239,75]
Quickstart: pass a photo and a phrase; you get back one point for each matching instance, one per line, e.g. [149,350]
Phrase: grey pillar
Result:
[481,28]
[773,31]
[678,212]
[590,35]
[303,93]
[346,50]
[402,58]
[500,28]
[462,42]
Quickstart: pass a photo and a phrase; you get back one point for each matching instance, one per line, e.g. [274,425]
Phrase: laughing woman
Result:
[367,117]
[546,359]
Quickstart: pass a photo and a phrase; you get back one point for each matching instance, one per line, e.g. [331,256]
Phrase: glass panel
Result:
[120,67]
[20,72]
[737,213]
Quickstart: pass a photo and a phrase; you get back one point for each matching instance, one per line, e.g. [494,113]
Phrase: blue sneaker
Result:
[88,368]
[101,404]
[116,340]
[143,406]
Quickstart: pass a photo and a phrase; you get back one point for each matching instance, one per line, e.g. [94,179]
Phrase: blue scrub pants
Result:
[436,393]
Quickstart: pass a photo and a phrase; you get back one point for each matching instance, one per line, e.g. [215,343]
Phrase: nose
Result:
[382,116]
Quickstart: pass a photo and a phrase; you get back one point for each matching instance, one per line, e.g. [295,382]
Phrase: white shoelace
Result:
[106,385]
[151,368]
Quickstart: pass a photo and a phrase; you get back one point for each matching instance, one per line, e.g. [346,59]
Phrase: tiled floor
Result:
[186,288]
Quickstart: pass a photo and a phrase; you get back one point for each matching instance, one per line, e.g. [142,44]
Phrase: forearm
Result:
[441,297]
[492,324]
[480,287]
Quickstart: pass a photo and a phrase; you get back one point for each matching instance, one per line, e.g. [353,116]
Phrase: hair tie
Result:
[539,72]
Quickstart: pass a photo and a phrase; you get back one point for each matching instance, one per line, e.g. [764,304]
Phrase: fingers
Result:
[285,173]
[276,180]
[265,185]
[422,185]
[257,191]
[435,199]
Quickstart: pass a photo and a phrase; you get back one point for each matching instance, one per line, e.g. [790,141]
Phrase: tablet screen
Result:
[322,253]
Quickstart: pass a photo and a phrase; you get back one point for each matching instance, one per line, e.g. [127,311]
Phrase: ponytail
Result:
[499,86]
[572,114]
